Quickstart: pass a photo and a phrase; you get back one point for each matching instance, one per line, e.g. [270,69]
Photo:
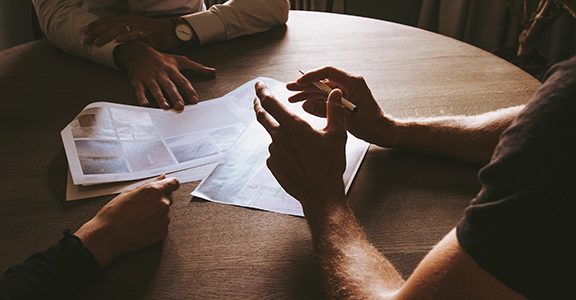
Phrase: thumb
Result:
[167,185]
[335,116]
[188,64]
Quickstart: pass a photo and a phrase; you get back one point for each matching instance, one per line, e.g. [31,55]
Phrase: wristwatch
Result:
[183,31]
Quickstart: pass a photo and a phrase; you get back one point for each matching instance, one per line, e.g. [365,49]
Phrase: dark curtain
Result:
[488,24]
[319,5]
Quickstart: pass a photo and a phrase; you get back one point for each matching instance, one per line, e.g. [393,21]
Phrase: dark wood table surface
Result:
[406,202]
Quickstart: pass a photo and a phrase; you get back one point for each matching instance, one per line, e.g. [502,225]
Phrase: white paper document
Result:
[77,192]
[242,177]
[110,142]
[112,148]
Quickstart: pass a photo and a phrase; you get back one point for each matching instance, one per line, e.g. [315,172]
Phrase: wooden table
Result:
[406,202]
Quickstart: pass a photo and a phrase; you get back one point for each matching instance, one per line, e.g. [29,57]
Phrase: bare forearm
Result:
[352,268]
[468,138]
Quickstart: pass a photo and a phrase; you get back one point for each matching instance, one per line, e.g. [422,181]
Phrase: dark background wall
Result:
[399,11]
[15,24]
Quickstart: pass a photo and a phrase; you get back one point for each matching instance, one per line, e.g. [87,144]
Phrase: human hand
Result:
[308,163]
[156,32]
[131,221]
[367,122]
[159,74]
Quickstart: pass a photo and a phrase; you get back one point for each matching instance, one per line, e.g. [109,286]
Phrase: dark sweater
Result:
[57,273]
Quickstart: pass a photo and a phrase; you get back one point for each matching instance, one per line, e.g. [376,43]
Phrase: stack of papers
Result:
[112,148]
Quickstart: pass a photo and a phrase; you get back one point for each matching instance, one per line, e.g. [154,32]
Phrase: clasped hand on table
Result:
[155,75]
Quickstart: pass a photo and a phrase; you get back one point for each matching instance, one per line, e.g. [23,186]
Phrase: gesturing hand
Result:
[365,123]
[308,163]
[159,75]
[130,221]
[156,32]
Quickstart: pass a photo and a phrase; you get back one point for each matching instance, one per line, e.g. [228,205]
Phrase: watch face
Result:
[184,32]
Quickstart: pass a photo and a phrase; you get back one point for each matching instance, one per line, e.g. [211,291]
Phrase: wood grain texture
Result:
[405,202]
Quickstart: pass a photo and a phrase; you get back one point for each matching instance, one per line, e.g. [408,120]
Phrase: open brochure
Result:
[242,178]
[110,142]
[112,148]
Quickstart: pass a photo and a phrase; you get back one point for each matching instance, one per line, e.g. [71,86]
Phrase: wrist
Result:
[326,216]
[172,43]
[388,132]
[319,207]
[94,240]
[183,33]
[125,54]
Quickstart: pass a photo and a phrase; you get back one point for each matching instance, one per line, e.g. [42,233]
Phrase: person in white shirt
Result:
[141,36]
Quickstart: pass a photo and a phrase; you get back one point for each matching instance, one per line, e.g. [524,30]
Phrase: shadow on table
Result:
[407,202]
[128,277]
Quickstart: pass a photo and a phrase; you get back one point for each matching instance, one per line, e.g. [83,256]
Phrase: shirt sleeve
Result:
[63,22]
[238,17]
[56,273]
[519,226]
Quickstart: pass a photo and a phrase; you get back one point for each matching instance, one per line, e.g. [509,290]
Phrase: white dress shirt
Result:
[63,21]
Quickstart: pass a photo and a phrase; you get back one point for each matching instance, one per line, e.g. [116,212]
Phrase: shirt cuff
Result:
[207,26]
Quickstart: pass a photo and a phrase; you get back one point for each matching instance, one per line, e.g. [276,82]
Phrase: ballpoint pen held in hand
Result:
[326,89]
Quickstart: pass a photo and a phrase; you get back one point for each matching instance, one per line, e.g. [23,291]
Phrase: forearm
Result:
[53,274]
[468,138]
[351,267]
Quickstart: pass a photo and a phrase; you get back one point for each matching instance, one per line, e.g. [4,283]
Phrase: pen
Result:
[326,89]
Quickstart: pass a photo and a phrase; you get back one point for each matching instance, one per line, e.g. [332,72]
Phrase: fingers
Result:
[162,82]
[315,101]
[173,88]
[307,95]
[140,93]
[265,118]
[96,24]
[295,86]
[334,74]
[106,33]
[132,36]
[336,119]
[276,109]
[166,185]
[107,29]
[168,199]
[161,189]
[185,87]
[316,108]
[156,92]
[95,29]
[188,64]
[170,88]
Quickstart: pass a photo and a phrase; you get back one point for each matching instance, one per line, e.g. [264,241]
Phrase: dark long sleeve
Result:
[57,273]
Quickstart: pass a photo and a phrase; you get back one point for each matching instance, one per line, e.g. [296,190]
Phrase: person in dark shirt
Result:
[130,221]
[512,242]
